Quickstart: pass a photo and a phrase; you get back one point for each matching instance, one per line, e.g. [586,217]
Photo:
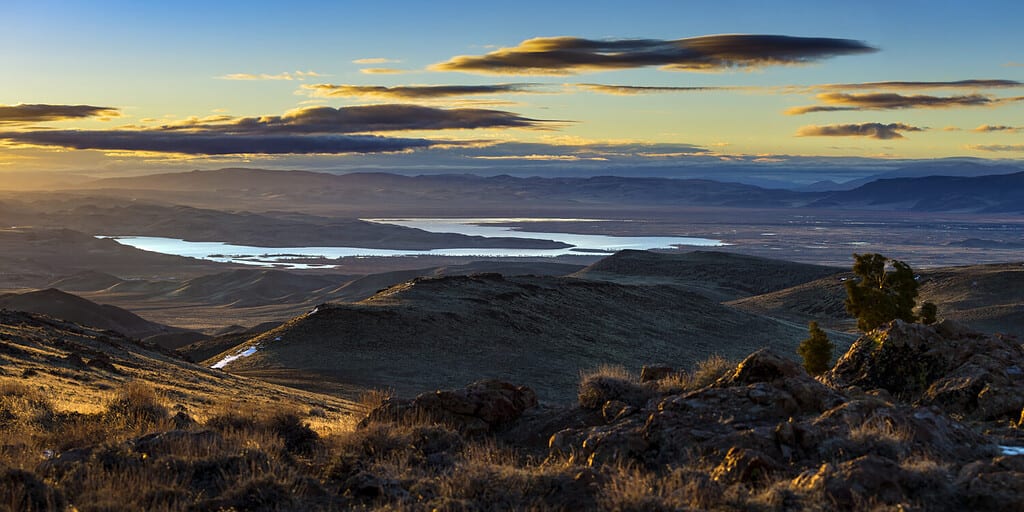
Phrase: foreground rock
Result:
[476,409]
[768,425]
[965,373]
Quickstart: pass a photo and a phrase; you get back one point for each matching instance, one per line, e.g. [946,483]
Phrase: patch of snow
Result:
[1012,450]
[278,338]
[227,359]
[315,311]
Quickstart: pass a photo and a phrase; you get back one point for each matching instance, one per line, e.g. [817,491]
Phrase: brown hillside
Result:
[430,333]
[78,366]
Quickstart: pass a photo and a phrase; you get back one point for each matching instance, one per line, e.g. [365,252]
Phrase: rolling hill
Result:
[58,304]
[715,274]
[437,332]
[80,365]
[985,297]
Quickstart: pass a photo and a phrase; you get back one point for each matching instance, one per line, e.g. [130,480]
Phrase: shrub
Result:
[816,350]
[928,313]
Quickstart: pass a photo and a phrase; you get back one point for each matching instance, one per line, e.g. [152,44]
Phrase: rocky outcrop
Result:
[964,373]
[476,409]
[744,408]
[768,424]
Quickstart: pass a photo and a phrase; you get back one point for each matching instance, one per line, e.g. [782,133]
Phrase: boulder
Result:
[854,484]
[476,409]
[996,484]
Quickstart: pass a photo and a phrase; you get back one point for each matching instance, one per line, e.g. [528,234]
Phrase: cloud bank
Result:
[869,130]
[368,118]
[214,143]
[984,83]
[411,92]
[569,55]
[833,102]
[996,147]
[37,113]
[628,90]
[309,130]
[298,75]
[988,128]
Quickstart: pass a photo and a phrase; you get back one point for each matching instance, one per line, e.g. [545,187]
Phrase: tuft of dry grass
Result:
[711,369]
[608,382]
[136,406]
[373,398]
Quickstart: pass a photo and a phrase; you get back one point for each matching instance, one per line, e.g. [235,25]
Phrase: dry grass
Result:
[245,456]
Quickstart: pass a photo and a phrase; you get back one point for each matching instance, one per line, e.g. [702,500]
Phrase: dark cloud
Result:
[988,128]
[368,118]
[870,130]
[19,114]
[626,90]
[996,147]
[213,143]
[568,55]
[986,83]
[304,131]
[892,101]
[418,92]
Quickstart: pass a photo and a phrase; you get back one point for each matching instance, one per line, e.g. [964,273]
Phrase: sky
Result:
[133,87]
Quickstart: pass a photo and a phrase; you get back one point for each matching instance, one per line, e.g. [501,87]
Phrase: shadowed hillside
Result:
[428,333]
[70,307]
[717,275]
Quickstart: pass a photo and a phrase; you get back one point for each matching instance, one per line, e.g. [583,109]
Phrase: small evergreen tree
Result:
[816,350]
[928,313]
[879,295]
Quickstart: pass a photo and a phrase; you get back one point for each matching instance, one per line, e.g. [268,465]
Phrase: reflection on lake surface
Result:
[267,256]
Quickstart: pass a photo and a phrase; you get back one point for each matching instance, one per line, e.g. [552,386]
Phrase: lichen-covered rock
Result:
[965,373]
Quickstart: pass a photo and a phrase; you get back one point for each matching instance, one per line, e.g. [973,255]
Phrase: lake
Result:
[273,256]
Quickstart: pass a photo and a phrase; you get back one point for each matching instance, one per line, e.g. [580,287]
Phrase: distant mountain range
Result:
[1000,193]
[942,186]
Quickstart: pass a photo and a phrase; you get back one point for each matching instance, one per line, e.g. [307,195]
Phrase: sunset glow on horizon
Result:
[127,87]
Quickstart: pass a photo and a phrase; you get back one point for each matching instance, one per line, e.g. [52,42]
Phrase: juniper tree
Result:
[928,313]
[816,350]
[879,295]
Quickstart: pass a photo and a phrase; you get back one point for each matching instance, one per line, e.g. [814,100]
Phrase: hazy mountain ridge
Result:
[936,186]
[1000,193]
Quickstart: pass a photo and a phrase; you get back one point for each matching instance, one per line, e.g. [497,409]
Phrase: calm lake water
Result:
[272,256]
